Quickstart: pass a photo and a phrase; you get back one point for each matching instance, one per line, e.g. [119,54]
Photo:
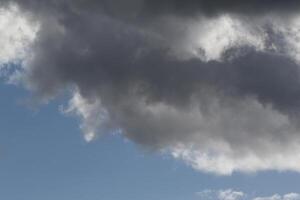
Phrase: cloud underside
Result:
[211,84]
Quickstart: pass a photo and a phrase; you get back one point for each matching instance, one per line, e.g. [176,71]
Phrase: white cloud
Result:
[231,194]
[209,38]
[228,194]
[290,196]
[215,36]
[16,34]
[95,118]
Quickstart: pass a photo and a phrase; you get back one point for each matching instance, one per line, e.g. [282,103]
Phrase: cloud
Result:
[152,8]
[16,34]
[228,194]
[218,91]
[231,194]
[220,6]
[290,196]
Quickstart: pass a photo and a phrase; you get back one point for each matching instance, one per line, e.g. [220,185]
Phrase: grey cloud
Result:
[194,7]
[143,9]
[242,108]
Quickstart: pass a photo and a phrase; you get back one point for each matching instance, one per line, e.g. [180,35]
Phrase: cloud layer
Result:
[209,83]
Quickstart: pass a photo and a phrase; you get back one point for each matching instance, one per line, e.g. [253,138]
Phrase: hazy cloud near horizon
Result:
[230,194]
[214,84]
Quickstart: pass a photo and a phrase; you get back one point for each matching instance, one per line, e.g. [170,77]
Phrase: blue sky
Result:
[44,156]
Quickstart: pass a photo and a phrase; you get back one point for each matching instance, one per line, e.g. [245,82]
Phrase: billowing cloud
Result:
[219,89]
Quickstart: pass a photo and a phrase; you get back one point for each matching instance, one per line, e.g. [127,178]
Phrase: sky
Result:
[45,156]
[149,100]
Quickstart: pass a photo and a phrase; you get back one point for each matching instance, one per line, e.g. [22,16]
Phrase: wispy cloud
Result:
[231,194]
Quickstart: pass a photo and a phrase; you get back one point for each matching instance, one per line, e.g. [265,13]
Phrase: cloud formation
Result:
[231,194]
[16,35]
[228,194]
[214,84]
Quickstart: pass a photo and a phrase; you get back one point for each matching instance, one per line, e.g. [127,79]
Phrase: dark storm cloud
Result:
[113,55]
[122,61]
[123,66]
[222,6]
[145,8]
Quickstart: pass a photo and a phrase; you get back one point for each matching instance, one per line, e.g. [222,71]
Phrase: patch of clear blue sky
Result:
[44,157]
